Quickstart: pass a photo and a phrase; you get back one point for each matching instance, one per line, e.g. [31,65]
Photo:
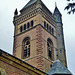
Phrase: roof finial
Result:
[55,4]
[16,12]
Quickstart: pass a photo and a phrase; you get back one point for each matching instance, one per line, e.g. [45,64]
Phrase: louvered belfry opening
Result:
[26,47]
[49,48]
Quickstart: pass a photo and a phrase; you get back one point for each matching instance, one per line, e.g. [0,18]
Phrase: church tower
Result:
[60,37]
[36,35]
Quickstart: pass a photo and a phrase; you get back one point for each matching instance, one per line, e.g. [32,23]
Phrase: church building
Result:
[38,47]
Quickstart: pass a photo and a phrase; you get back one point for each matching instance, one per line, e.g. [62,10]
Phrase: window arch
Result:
[26,47]
[49,48]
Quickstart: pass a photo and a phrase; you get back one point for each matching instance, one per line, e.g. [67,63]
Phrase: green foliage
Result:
[70,7]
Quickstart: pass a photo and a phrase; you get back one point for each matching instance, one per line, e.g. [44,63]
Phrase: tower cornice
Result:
[22,18]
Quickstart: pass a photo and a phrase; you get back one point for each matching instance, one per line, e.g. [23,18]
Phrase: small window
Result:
[44,24]
[60,51]
[24,26]
[58,18]
[50,28]
[28,25]
[58,35]
[32,23]
[21,29]
[52,31]
[47,26]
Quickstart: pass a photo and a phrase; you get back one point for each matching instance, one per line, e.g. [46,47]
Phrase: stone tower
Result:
[36,36]
[60,37]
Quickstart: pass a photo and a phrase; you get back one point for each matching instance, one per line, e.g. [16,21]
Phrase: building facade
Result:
[10,65]
[38,43]
[38,35]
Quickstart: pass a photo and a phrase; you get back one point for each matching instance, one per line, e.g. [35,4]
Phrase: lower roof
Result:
[59,68]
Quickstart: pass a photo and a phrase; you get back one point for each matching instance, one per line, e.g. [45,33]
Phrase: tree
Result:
[70,7]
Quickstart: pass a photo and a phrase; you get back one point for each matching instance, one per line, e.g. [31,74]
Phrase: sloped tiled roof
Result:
[58,68]
[32,2]
[29,3]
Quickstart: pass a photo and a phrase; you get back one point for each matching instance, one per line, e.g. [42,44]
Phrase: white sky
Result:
[7,8]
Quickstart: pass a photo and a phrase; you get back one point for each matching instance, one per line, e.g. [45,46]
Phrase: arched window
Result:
[50,28]
[49,48]
[60,51]
[28,25]
[26,47]
[47,26]
[32,23]
[44,24]
[59,35]
[21,29]
[24,26]
[52,31]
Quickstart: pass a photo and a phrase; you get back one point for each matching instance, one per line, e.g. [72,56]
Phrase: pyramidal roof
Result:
[56,11]
[59,68]
[30,3]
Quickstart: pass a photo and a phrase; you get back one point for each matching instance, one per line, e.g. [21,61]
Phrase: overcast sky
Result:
[7,8]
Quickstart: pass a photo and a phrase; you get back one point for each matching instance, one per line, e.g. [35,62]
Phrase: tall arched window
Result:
[28,25]
[50,28]
[24,26]
[21,29]
[47,26]
[32,23]
[44,24]
[26,47]
[49,48]
[52,31]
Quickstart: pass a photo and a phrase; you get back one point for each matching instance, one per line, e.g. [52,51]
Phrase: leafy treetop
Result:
[70,7]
